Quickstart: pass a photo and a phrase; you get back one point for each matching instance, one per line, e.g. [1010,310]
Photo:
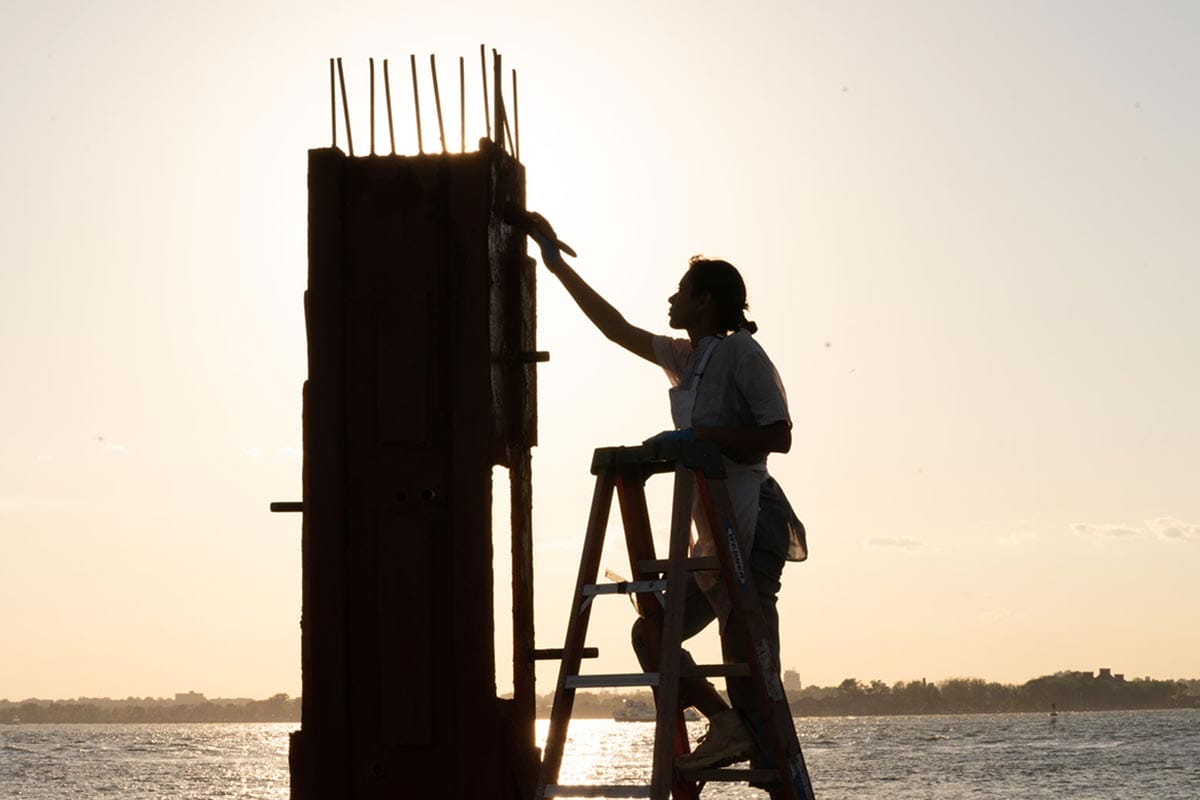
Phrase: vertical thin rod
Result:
[412,60]
[508,132]
[502,127]
[387,93]
[437,100]
[345,107]
[372,62]
[516,120]
[462,103]
[333,103]
[498,96]
[487,115]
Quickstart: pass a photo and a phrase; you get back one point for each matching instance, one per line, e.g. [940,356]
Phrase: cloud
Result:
[1106,531]
[895,542]
[1174,530]
[1168,529]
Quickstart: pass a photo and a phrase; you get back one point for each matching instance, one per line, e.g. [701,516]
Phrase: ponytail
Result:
[722,280]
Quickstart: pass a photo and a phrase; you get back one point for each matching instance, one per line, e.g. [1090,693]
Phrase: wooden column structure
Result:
[421,332]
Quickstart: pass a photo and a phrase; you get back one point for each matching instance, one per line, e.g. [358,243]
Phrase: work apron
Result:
[743,482]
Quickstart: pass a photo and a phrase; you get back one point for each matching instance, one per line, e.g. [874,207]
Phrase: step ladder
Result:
[625,471]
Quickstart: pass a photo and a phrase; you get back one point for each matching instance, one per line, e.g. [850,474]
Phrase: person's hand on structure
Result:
[551,255]
[542,232]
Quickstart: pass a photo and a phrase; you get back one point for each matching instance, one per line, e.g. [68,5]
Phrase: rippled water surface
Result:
[142,761]
[1089,756]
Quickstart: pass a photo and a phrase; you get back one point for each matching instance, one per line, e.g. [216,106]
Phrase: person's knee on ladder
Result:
[728,740]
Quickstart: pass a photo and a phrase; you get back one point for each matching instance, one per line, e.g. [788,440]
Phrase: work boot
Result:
[726,742]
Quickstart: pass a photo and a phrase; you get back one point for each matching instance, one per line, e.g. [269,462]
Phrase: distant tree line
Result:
[277,708]
[1068,691]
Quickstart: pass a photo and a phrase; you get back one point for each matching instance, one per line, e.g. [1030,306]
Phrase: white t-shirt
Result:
[739,388]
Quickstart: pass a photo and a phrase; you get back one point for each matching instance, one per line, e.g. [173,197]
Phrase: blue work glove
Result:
[684,435]
[551,255]
[542,233]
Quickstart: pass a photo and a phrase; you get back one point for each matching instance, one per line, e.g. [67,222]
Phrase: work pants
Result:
[766,561]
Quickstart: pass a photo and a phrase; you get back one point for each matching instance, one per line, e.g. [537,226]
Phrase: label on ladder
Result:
[799,776]
[739,568]
[770,674]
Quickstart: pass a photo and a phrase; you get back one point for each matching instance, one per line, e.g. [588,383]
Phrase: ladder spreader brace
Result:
[625,470]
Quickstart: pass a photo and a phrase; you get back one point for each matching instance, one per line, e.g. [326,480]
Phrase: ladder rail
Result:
[739,584]
[667,726]
[639,542]
[564,696]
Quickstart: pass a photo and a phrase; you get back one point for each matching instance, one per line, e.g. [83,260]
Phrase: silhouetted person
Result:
[725,390]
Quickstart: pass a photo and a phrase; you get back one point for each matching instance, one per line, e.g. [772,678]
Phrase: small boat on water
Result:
[641,711]
[14,721]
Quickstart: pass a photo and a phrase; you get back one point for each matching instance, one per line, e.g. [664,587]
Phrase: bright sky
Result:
[968,230]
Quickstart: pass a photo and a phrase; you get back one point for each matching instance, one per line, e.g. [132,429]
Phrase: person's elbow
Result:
[781,437]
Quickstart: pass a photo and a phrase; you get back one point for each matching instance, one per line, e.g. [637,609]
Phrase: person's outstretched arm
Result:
[597,309]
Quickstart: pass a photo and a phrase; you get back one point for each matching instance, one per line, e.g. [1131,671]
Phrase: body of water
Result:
[1125,755]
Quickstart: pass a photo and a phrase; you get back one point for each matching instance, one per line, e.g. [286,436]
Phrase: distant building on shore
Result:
[1103,674]
[189,698]
[791,680]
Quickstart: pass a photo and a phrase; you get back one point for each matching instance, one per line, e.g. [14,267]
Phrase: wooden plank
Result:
[552,653]
[613,679]
[464,268]
[407,655]
[322,768]
[524,653]
[402,333]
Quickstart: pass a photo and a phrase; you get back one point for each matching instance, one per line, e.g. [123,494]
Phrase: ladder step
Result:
[693,564]
[624,587]
[556,653]
[616,679]
[616,790]
[717,671]
[731,775]
[661,457]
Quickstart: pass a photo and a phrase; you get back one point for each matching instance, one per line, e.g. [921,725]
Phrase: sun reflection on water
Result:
[601,752]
